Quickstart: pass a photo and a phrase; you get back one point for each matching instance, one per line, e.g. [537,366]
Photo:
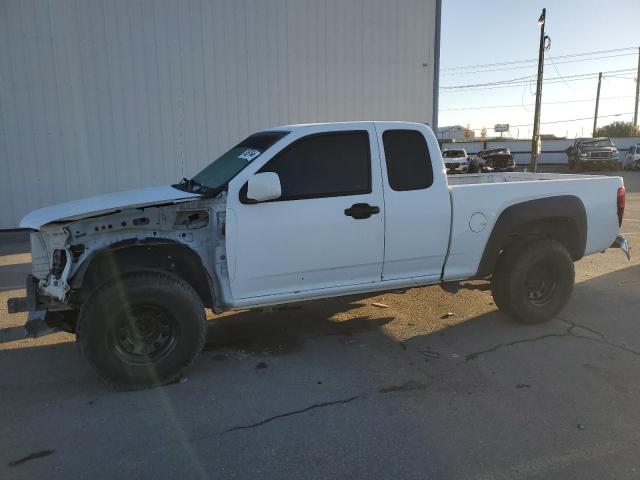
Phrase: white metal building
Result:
[107,95]
[457,133]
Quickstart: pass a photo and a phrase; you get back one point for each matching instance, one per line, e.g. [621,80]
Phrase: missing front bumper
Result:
[40,321]
[28,303]
[37,325]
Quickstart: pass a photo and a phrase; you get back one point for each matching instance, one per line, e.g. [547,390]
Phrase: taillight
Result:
[621,204]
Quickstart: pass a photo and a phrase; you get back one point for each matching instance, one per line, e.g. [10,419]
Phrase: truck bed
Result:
[478,200]
[510,177]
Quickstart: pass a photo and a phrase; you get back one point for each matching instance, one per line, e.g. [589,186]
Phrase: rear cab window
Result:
[408,160]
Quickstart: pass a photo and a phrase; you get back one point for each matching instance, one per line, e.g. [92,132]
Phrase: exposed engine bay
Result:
[63,251]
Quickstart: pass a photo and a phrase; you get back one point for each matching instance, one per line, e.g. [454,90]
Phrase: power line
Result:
[520,81]
[529,60]
[574,119]
[622,78]
[510,86]
[498,82]
[562,121]
[525,79]
[558,71]
[530,104]
[534,66]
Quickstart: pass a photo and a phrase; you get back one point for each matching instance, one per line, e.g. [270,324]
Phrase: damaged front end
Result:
[47,287]
[64,254]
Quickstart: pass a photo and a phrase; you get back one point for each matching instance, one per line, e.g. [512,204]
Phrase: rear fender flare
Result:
[546,215]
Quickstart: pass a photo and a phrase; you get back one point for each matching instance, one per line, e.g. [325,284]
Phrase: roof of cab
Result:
[302,126]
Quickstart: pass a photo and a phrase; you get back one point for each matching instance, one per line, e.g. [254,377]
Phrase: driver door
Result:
[326,231]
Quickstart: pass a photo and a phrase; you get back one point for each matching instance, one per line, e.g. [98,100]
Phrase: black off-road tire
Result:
[117,318]
[500,277]
[512,287]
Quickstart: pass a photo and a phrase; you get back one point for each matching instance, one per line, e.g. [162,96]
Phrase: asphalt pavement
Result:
[424,384]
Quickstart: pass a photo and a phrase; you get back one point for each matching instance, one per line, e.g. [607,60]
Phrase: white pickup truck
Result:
[297,213]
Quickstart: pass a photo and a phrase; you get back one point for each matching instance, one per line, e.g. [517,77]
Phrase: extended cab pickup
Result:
[296,213]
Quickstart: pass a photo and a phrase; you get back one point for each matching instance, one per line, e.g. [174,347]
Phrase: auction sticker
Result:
[249,154]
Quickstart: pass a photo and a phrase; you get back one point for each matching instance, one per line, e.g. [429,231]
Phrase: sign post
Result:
[501,127]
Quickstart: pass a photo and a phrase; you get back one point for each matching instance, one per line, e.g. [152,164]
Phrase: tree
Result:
[618,129]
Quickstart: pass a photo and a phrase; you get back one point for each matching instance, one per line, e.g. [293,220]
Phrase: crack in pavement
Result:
[408,386]
[603,338]
[295,412]
[472,356]
[32,456]
[569,333]
[584,327]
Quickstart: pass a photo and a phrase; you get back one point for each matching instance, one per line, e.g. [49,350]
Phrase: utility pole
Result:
[595,116]
[635,114]
[535,138]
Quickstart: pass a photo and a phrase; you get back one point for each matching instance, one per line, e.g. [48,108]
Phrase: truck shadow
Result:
[283,330]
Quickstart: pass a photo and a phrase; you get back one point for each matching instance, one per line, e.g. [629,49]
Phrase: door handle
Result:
[360,211]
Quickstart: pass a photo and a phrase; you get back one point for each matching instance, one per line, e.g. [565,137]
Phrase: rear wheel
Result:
[143,329]
[532,282]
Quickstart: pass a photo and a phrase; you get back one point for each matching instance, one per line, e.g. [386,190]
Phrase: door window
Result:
[324,165]
[408,160]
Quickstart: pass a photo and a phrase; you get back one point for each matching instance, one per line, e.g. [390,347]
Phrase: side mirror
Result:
[264,186]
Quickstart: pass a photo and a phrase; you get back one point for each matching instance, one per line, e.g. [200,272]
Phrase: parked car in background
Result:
[632,159]
[456,160]
[496,160]
[592,153]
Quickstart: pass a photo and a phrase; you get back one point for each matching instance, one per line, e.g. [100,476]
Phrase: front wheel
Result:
[142,329]
[532,282]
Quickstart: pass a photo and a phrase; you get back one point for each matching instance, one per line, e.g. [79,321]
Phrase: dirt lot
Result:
[346,389]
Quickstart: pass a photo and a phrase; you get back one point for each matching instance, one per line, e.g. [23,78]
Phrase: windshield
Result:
[218,173]
[602,142]
[453,154]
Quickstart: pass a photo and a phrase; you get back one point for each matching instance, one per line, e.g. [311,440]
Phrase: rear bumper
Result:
[456,167]
[621,243]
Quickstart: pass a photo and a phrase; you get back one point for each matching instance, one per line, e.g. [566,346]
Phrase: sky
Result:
[495,31]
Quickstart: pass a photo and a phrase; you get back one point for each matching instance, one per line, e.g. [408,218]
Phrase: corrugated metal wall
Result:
[106,95]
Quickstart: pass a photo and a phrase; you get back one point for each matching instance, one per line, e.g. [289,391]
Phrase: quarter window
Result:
[408,160]
[324,165]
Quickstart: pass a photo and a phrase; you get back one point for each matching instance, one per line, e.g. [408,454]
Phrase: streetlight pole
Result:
[535,139]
